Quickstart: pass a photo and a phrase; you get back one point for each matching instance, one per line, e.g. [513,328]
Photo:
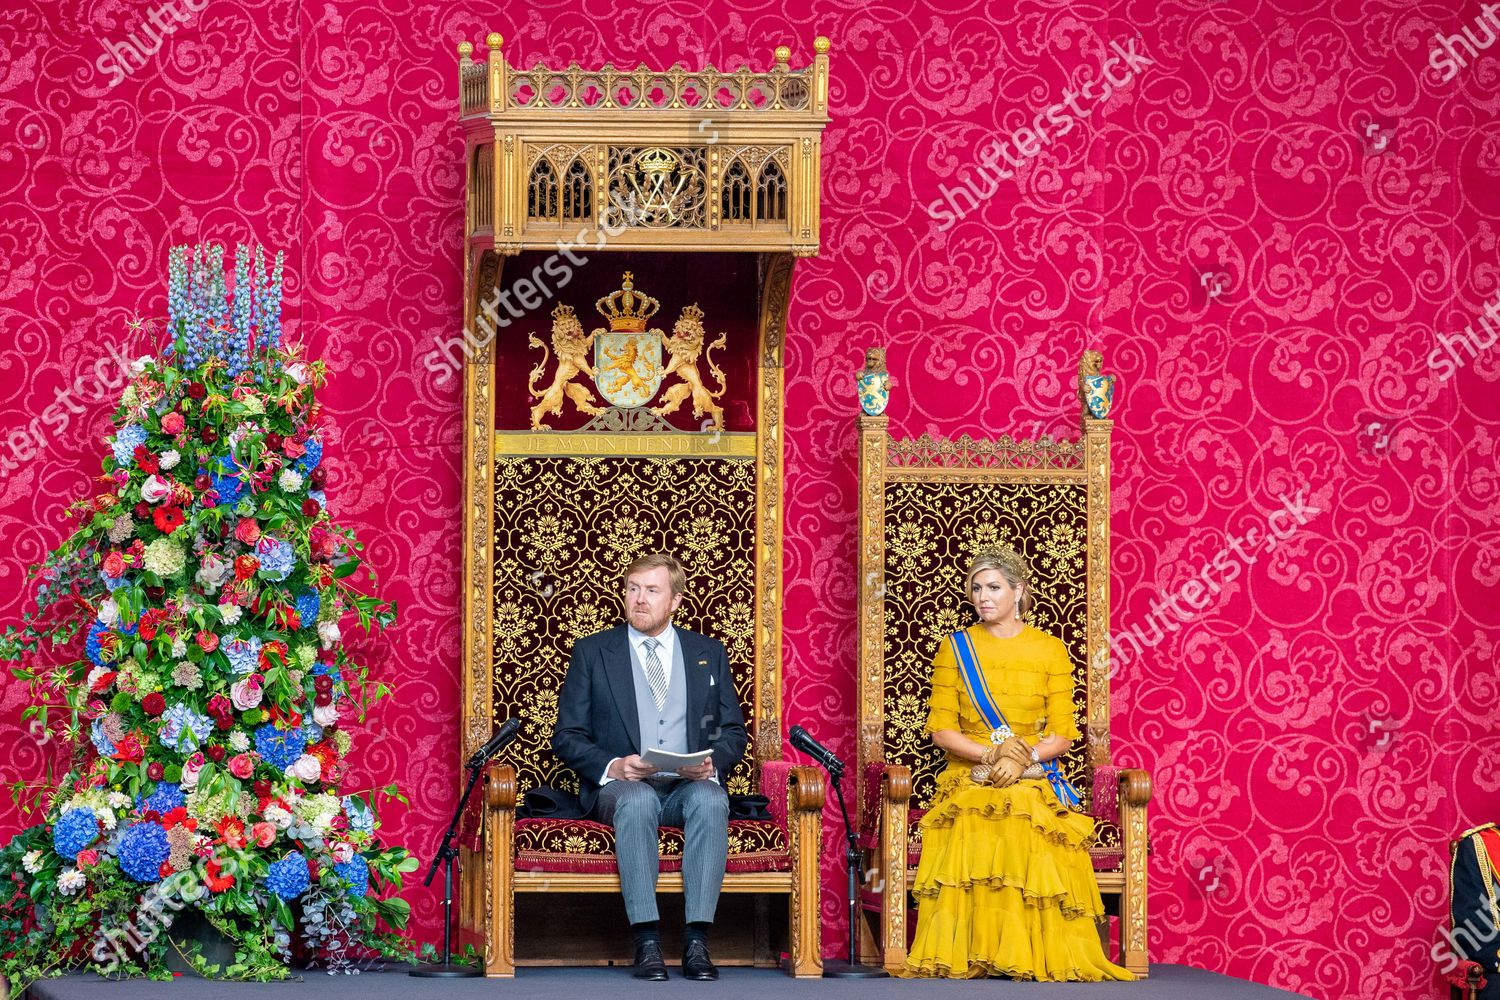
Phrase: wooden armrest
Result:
[1467,977]
[895,784]
[805,789]
[1135,787]
[500,785]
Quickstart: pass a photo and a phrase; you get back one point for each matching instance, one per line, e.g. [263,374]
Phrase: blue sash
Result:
[979,693]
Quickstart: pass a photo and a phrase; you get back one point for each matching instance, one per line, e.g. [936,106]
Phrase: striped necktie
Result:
[656,674]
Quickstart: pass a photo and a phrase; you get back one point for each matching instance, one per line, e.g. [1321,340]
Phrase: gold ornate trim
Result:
[776,294]
[966,455]
[739,444]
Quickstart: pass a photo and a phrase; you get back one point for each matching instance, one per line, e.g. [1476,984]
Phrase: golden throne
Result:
[609,188]
[925,508]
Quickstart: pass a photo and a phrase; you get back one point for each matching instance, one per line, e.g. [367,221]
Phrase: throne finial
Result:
[627,310]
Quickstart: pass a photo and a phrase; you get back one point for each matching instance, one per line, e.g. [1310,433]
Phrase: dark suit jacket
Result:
[596,713]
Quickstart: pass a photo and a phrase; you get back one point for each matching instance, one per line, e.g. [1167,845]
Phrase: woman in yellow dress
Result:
[1005,886]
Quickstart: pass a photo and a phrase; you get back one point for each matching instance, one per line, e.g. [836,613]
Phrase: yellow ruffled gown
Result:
[1005,886]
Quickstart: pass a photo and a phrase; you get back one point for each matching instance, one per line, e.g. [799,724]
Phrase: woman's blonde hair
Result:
[1009,564]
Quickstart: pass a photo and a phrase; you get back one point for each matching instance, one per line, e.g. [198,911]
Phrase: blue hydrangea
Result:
[310,461]
[229,488]
[92,647]
[361,817]
[288,877]
[168,796]
[243,655]
[280,748]
[184,729]
[113,583]
[355,871]
[313,730]
[101,742]
[320,668]
[277,558]
[127,439]
[308,605]
[143,849]
[75,830]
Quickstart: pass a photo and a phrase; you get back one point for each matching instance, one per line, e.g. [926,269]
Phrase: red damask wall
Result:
[1265,230]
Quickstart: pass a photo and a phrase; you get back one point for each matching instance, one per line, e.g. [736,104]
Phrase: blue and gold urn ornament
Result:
[874,383]
[1095,389]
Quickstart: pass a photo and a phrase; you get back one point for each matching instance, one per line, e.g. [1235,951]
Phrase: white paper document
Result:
[665,760]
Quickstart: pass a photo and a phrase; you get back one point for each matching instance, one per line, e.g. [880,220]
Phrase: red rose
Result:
[197,390]
[215,752]
[207,641]
[311,507]
[142,511]
[173,423]
[114,564]
[273,441]
[220,705]
[155,770]
[208,435]
[168,519]
[154,704]
[166,869]
[247,531]
[312,869]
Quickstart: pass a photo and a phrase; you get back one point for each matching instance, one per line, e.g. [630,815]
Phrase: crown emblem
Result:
[627,310]
[656,161]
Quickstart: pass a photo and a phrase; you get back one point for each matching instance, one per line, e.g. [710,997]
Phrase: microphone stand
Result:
[852,969]
[445,856]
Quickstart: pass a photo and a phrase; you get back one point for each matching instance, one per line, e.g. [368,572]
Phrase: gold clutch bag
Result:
[980,773]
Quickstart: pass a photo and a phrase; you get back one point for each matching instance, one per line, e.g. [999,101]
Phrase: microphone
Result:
[803,740]
[503,735]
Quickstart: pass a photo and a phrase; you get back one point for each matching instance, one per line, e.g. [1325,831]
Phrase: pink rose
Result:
[246,694]
[241,766]
[247,531]
[173,423]
[89,857]
[326,715]
[306,768]
[190,769]
[156,489]
[263,834]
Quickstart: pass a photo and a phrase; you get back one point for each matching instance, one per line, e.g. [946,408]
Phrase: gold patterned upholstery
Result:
[580,845]
[926,508]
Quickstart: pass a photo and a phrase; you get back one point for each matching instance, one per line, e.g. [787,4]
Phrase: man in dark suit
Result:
[642,685]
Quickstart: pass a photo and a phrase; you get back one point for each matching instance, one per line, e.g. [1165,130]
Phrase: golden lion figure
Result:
[622,367]
[572,346]
[684,348]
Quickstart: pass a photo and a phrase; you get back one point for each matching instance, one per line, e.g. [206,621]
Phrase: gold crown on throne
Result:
[627,310]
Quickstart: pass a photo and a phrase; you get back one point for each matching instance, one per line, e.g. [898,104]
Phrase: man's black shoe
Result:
[648,962]
[696,964]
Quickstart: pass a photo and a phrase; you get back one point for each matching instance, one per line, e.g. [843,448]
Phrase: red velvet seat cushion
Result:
[585,847]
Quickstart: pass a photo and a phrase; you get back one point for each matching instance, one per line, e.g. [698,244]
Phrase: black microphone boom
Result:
[503,735]
[803,740]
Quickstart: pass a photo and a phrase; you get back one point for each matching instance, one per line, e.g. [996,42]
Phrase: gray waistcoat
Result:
[667,729]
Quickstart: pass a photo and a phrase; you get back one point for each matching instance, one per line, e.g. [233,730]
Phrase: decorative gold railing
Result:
[492,86]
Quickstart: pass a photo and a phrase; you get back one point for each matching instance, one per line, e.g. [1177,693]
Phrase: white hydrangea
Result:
[165,558]
[169,458]
[290,480]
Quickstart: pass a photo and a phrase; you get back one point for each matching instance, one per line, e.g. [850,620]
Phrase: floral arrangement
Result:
[210,714]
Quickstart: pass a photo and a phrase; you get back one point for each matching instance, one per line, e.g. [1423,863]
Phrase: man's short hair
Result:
[657,560]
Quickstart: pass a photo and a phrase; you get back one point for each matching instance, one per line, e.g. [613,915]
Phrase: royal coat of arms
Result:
[627,361]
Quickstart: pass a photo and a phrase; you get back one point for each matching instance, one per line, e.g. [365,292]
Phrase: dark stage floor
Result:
[1167,982]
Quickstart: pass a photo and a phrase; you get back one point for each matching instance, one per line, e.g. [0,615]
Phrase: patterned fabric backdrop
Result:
[1266,223]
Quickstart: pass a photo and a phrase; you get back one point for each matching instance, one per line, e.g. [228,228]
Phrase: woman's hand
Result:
[1006,771]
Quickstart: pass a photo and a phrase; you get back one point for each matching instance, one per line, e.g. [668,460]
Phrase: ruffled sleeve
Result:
[942,711]
[1060,692]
